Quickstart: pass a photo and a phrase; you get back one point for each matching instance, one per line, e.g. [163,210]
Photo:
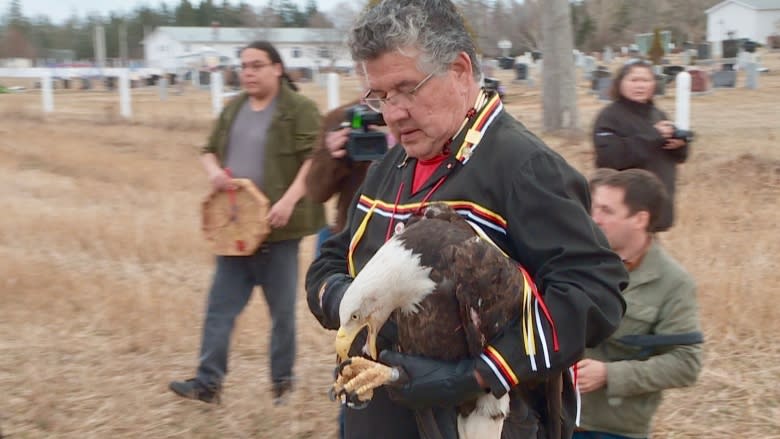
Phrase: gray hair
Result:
[434,27]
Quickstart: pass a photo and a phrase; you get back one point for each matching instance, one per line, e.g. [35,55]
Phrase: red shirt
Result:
[424,169]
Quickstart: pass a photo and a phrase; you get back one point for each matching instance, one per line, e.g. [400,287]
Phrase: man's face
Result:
[259,76]
[436,110]
[614,218]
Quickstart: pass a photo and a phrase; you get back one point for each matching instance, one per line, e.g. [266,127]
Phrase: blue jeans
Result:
[597,435]
[274,266]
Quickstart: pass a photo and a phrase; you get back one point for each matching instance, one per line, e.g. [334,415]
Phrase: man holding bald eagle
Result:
[522,222]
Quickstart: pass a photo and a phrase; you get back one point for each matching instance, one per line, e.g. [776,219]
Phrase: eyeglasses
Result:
[401,99]
[254,67]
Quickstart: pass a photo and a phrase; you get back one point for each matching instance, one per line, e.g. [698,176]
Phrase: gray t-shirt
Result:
[246,145]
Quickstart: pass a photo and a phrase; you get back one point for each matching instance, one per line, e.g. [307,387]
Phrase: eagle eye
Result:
[354,316]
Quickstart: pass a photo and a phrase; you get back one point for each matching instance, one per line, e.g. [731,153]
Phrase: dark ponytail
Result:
[275,58]
[290,82]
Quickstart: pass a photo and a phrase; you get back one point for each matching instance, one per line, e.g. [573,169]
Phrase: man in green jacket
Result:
[266,134]
[658,344]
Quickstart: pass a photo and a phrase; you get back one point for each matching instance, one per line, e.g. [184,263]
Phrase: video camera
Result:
[364,145]
[681,134]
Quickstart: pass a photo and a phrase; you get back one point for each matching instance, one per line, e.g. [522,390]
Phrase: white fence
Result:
[218,95]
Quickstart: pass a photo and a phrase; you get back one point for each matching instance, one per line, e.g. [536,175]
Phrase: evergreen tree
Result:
[185,14]
[656,51]
[290,15]
[207,13]
[16,37]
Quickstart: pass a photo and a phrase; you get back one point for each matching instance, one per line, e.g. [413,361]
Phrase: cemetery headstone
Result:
[588,67]
[608,55]
[596,76]
[521,71]
[672,71]
[604,84]
[204,77]
[730,48]
[743,58]
[163,88]
[724,79]
[660,84]
[536,55]
[751,75]
[699,81]
[703,51]
[750,46]
[506,62]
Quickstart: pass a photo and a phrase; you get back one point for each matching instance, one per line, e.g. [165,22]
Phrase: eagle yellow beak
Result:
[345,337]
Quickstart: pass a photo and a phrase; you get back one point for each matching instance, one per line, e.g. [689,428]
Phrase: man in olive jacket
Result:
[658,344]
[266,134]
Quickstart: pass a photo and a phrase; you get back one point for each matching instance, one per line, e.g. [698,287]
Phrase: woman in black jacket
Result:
[632,132]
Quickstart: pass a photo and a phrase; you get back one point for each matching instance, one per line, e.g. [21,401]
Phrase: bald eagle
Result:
[449,291]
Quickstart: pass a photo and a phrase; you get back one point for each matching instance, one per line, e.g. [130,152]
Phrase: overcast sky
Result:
[59,10]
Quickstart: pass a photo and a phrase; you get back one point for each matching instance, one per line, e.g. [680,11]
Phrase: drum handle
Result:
[240,246]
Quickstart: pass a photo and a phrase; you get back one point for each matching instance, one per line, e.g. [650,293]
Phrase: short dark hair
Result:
[275,58]
[614,90]
[643,191]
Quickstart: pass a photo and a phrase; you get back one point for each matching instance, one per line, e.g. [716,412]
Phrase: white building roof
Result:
[759,5]
[244,35]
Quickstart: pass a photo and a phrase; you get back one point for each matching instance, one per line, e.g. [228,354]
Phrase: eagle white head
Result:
[392,279]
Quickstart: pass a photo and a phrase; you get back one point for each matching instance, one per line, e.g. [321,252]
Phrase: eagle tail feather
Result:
[487,419]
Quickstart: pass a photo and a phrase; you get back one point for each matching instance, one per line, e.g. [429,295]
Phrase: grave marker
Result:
[724,79]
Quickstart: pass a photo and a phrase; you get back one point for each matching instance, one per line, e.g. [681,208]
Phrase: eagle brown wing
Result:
[479,290]
[488,288]
[435,330]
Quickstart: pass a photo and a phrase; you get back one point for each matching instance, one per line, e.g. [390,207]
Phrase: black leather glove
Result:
[330,299]
[427,382]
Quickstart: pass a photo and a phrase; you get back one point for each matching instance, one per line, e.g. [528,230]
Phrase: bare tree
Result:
[344,14]
[559,89]
[527,24]
[16,45]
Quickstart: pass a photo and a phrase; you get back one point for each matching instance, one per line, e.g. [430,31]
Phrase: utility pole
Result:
[123,43]
[100,47]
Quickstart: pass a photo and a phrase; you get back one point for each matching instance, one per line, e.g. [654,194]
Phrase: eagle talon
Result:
[354,402]
[340,368]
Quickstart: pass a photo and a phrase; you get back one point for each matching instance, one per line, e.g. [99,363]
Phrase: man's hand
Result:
[221,181]
[280,213]
[591,375]
[674,144]
[665,128]
[335,141]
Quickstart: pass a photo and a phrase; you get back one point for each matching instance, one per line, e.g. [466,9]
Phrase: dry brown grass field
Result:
[104,272]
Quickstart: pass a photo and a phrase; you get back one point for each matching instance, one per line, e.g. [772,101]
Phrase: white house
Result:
[175,47]
[753,19]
